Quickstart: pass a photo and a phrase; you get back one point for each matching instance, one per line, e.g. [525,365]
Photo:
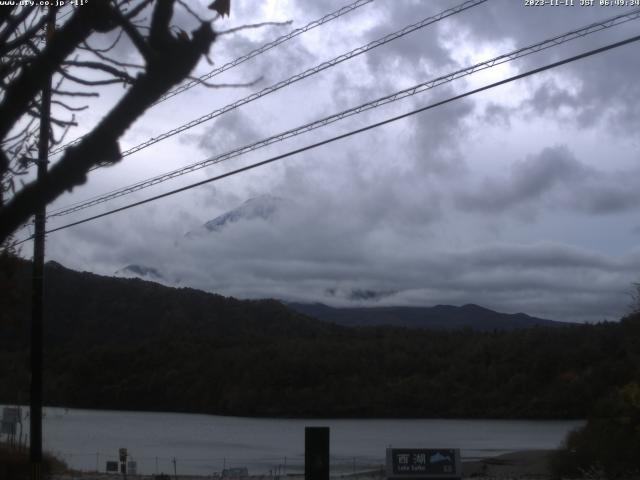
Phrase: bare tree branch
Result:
[117,62]
[101,144]
[160,26]
[189,10]
[86,46]
[121,74]
[63,123]
[22,38]
[227,85]
[130,15]
[24,88]
[13,22]
[252,26]
[89,83]
[68,93]
[133,34]
[69,107]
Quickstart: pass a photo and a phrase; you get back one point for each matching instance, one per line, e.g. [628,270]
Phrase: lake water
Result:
[203,444]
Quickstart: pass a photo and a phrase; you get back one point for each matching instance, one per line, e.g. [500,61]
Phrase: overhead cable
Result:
[300,76]
[351,133]
[253,53]
[419,88]
[268,46]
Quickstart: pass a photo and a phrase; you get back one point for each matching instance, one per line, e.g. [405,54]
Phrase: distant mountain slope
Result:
[139,271]
[84,308]
[114,343]
[446,317]
[263,207]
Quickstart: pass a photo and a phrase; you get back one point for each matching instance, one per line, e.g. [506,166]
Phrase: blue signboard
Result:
[427,463]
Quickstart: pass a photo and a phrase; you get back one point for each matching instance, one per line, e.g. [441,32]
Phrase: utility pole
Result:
[37,292]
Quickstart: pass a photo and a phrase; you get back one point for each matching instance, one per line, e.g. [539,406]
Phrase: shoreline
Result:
[523,464]
[285,417]
[519,464]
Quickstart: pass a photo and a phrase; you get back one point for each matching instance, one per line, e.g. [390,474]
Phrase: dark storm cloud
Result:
[230,131]
[360,196]
[554,177]
[542,256]
[407,52]
[498,20]
[438,135]
[407,214]
[273,65]
[315,251]
[601,86]
[498,115]
[610,193]
[549,98]
[322,7]
[526,181]
[302,257]
[607,92]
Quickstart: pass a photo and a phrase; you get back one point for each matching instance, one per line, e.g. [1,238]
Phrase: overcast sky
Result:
[523,198]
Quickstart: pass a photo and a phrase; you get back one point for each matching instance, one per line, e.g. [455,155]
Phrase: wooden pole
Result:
[37,292]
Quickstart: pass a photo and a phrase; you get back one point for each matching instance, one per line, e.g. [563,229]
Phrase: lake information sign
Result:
[423,463]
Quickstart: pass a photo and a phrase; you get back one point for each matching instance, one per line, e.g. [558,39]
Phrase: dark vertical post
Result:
[37,293]
[123,454]
[316,453]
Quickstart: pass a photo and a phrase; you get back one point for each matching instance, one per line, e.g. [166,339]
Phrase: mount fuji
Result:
[262,207]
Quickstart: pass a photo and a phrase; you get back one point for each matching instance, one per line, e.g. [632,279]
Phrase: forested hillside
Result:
[443,317]
[129,344]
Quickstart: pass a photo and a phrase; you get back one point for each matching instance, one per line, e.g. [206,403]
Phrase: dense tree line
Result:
[129,344]
[607,445]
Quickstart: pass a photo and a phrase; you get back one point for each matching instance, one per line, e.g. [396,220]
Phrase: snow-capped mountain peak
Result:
[139,271]
[262,207]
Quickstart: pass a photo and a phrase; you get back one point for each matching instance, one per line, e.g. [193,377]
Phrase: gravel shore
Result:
[531,464]
[525,464]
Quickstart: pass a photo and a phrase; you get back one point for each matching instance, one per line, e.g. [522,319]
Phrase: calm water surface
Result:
[203,444]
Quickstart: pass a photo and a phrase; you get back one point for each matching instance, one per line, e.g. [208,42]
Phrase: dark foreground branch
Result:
[178,57]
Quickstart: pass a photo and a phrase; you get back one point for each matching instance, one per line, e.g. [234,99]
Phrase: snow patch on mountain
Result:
[139,271]
[263,207]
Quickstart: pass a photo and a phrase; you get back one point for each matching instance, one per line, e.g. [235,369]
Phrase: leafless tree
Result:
[31,51]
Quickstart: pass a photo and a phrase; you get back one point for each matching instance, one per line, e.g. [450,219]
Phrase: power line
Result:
[253,53]
[264,48]
[381,41]
[307,73]
[351,133]
[300,76]
[38,277]
[40,41]
[422,87]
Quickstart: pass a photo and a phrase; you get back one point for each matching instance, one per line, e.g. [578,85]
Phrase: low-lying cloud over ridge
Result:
[522,198]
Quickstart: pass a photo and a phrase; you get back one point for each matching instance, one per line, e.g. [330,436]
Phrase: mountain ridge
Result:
[262,207]
[438,316]
[113,343]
